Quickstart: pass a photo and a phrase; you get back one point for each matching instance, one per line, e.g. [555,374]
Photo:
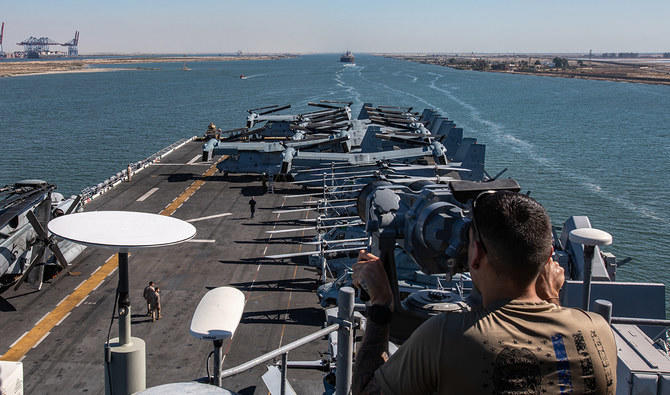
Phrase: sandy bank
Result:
[62,66]
[644,71]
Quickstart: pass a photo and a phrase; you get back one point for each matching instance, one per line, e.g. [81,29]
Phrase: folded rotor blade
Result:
[41,233]
[346,103]
[74,205]
[245,132]
[275,109]
[308,220]
[312,253]
[329,242]
[296,254]
[354,223]
[262,108]
[321,201]
[60,258]
[318,194]
[323,105]
[398,139]
[297,210]
[39,249]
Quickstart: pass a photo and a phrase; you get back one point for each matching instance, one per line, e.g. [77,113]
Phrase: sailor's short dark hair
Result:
[517,233]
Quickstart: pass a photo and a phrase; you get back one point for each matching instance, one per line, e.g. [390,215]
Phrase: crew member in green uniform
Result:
[519,341]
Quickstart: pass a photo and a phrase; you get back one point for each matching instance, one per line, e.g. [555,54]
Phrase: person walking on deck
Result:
[157,303]
[149,290]
[252,206]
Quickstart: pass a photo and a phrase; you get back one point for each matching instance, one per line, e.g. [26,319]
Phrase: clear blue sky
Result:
[168,26]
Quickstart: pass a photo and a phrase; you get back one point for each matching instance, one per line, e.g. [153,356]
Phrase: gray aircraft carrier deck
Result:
[59,331]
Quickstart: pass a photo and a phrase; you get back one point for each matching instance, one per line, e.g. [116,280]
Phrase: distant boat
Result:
[185,68]
[348,57]
[243,77]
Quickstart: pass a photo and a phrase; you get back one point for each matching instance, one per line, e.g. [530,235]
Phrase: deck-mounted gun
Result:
[428,221]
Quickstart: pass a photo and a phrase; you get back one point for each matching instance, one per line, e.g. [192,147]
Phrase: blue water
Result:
[593,148]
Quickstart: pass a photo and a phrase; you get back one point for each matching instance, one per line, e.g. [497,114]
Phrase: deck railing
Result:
[90,193]
[344,326]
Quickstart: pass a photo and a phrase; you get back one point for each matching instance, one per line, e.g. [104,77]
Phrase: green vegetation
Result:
[561,63]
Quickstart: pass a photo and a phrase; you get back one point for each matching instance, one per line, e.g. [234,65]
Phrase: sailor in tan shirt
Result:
[519,342]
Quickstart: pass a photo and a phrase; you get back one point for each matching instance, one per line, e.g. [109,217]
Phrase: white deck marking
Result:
[209,217]
[40,320]
[194,159]
[146,195]
[41,340]
[17,340]
[81,301]
[62,319]
[201,241]
[98,286]
[61,301]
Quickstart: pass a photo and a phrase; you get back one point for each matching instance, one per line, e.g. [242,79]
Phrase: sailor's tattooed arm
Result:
[372,354]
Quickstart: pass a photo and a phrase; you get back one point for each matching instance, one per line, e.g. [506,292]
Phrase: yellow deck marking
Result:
[33,337]
[172,207]
[30,340]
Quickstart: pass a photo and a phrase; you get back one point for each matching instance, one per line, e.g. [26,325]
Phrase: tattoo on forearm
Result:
[370,356]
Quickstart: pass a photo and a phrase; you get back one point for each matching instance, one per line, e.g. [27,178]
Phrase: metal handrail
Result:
[604,308]
[344,325]
[281,350]
[640,321]
[90,192]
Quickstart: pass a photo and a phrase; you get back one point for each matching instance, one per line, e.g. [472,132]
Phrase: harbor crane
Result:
[2,34]
[73,45]
[35,47]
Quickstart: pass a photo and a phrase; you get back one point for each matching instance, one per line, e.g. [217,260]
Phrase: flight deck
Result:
[59,332]
[399,183]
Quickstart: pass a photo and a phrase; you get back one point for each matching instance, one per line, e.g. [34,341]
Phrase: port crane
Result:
[2,35]
[73,45]
[34,47]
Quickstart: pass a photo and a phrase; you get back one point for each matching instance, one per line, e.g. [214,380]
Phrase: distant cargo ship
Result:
[348,57]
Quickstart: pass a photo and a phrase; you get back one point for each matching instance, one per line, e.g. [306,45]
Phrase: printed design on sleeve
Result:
[585,362]
[516,371]
[603,358]
[562,364]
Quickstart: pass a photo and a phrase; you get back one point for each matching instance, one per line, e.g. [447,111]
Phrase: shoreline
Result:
[77,71]
[639,72]
[69,66]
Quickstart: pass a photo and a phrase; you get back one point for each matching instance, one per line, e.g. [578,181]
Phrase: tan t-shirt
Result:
[517,348]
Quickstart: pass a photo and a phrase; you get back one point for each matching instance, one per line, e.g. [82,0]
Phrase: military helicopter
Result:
[328,244]
[25,209]
[331,113]
[292,126]
[407,141]
[471,167]
[279,159]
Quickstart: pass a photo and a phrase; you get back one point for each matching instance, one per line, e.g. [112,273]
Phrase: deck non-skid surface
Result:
[59,332]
